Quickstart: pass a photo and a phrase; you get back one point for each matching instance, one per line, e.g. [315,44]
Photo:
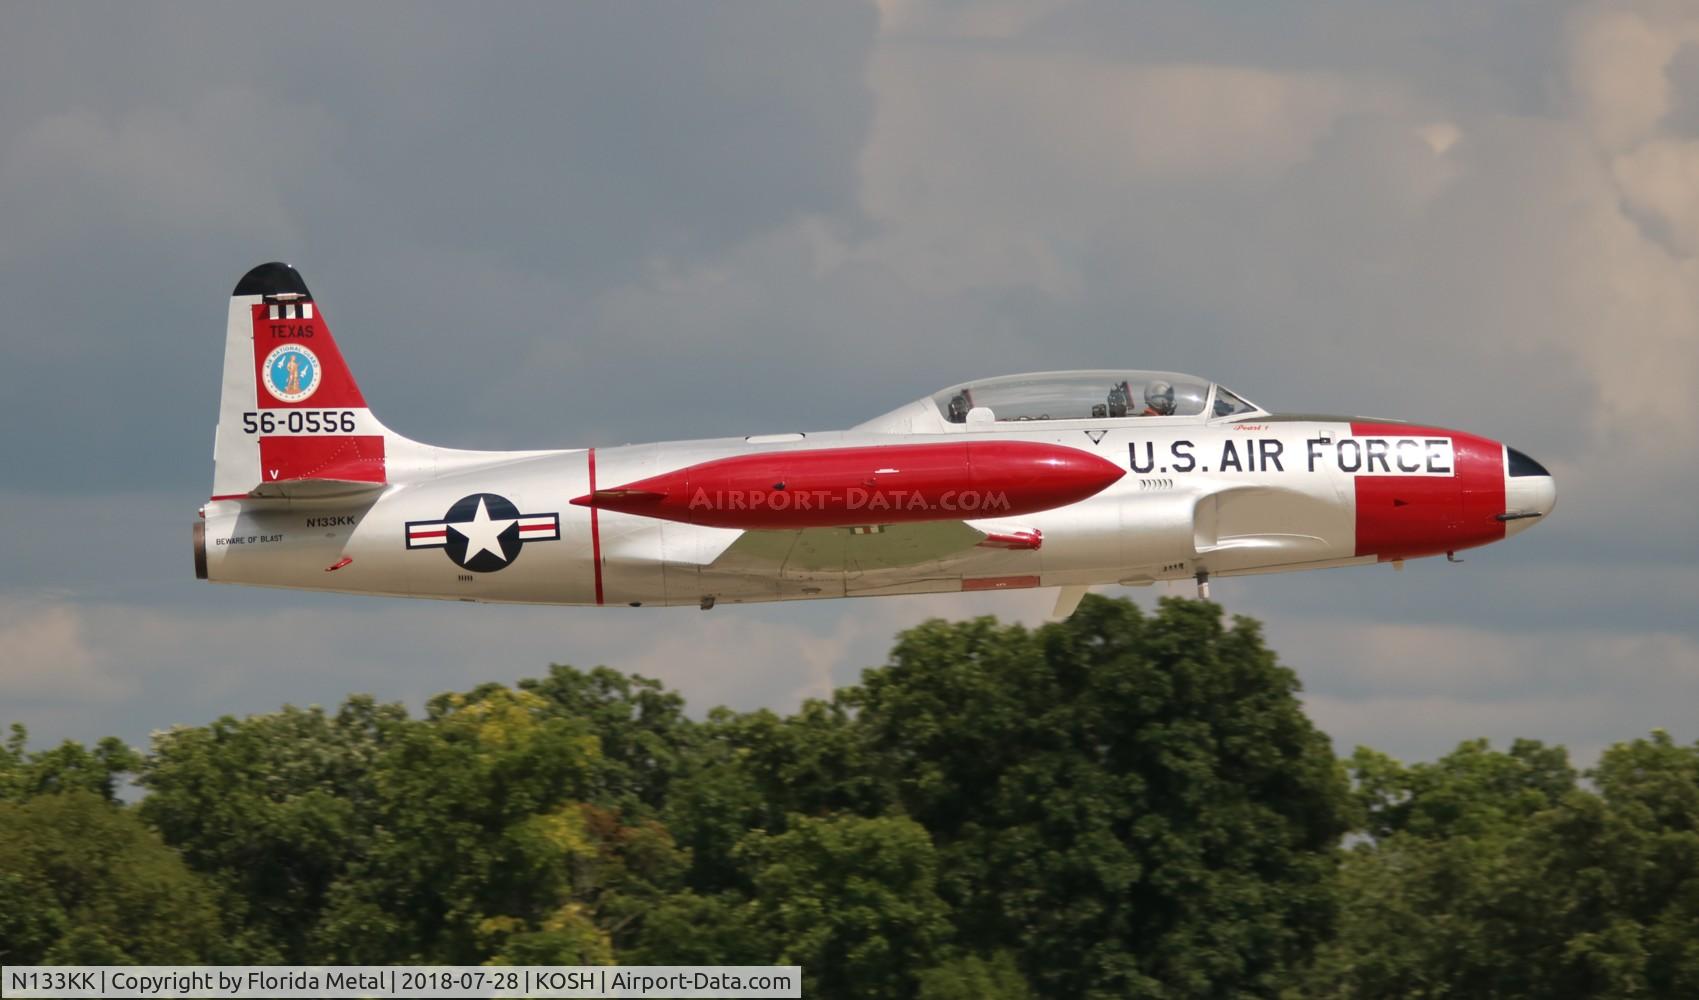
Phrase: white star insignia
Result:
[481,533]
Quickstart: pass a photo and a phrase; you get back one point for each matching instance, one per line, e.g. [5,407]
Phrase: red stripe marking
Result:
[442,533]
[998,582]
[228,496]
[358,458]
[1033,539]
[595,532]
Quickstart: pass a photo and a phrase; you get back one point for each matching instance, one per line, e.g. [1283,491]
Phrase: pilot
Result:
[1158,399]
[959,406]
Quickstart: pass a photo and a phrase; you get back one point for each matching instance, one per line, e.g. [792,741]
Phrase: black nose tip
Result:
[1522,465]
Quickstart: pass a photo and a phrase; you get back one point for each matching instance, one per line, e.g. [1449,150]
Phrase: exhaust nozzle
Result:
[200,550]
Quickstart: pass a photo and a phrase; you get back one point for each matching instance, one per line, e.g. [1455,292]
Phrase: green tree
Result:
[1435,895]
[641,727]
[851,900]
[490,829]
[65,768]
[1494,874]
[274,809]
[84,882]
[1625,863]
[490,846]
[689,928]
[971,977]
[1130,805]
[751,771]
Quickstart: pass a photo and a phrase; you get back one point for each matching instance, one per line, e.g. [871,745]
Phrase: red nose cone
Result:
[1423,491]
[843,487]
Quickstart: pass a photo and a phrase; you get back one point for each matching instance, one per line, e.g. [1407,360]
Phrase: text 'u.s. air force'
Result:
[1354,456]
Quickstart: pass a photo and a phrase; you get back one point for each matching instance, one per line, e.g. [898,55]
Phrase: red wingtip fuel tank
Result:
[887,484]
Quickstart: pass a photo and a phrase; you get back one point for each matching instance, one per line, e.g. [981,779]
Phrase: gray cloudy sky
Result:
[591,224]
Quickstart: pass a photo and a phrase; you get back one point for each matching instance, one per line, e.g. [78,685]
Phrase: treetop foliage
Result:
[1122,804]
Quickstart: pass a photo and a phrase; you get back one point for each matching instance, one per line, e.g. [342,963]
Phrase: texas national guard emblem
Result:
[290,373]
[483,532]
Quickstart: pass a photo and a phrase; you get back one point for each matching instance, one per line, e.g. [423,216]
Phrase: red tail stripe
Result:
[595,530]
[358,458]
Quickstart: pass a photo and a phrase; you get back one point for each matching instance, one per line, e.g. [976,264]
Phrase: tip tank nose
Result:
[1530,492]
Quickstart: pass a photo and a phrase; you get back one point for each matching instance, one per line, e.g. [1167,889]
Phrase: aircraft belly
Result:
[1085,543]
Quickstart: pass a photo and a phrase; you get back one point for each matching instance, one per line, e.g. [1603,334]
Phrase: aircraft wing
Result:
[829,550]
[876,547]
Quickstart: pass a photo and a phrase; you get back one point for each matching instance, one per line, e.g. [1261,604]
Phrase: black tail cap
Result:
[274,278]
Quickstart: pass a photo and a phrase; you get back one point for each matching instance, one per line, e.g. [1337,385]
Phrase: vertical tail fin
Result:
[291,418]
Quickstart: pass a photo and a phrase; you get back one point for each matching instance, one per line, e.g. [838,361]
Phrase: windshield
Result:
[1227,403]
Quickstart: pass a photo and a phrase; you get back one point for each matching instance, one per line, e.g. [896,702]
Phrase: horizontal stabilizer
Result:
[312,489]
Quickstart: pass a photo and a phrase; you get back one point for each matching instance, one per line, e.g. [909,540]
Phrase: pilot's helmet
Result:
[1117,401]
[1159,396]
[958,408]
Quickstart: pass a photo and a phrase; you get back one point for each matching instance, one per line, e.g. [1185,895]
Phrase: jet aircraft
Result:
[1064,480]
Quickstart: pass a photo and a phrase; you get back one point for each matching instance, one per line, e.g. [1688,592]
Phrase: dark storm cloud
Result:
[420,161]
[586,136]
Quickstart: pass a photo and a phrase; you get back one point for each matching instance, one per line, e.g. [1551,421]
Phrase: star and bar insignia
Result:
[483,532]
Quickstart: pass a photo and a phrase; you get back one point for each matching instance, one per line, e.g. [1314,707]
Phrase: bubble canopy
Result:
[1088,395]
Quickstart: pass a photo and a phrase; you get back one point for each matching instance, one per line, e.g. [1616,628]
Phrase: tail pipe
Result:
[200,550]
